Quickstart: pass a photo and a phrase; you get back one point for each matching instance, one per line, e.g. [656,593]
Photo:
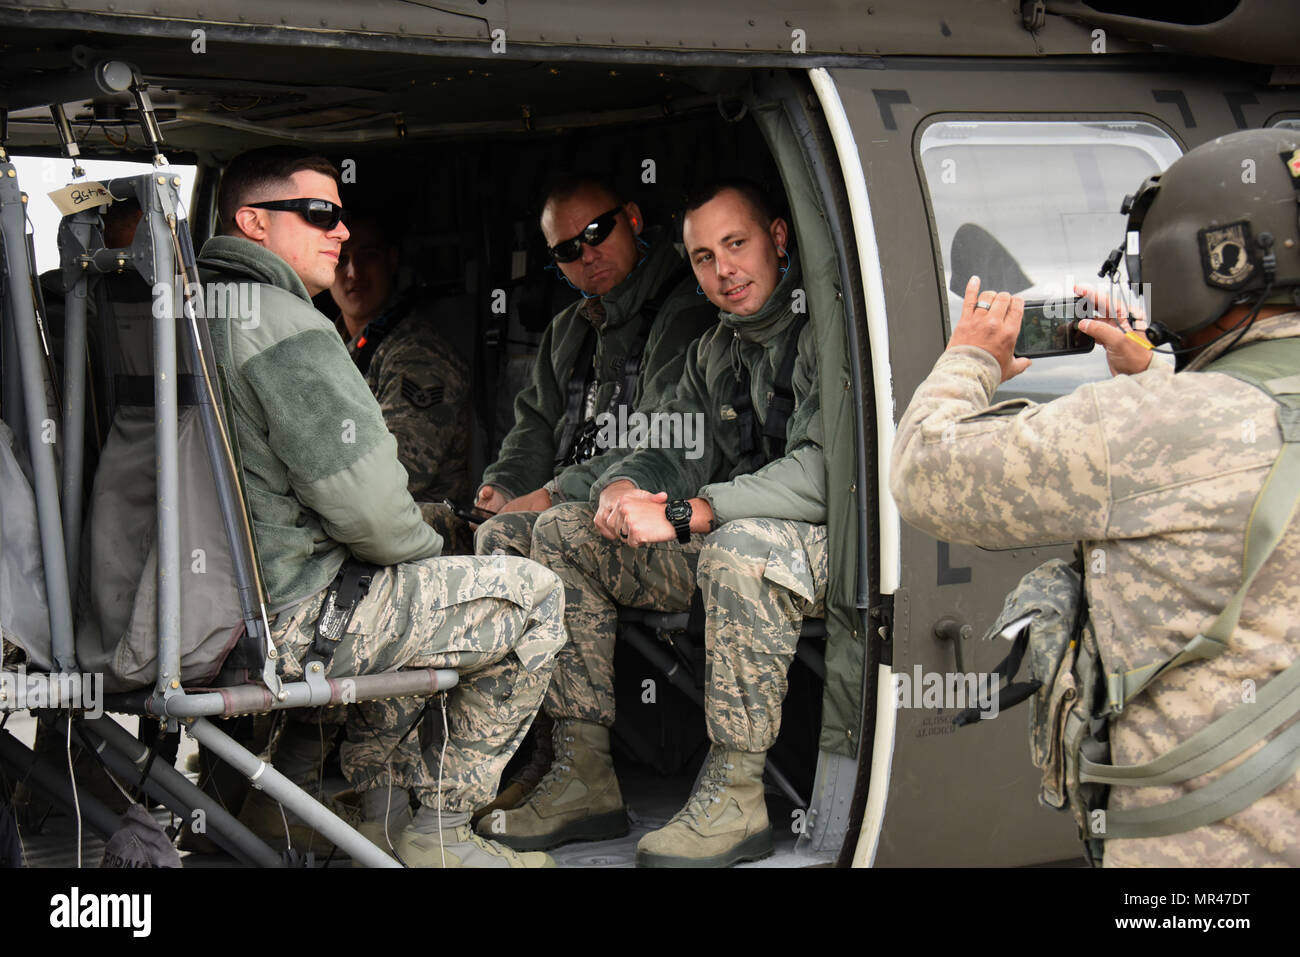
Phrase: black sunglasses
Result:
[318,212]
[596,232]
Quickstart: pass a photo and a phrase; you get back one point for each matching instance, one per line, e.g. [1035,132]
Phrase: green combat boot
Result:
[577,800]
[723,823]
[454,844]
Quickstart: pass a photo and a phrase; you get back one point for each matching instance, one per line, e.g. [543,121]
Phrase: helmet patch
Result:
[1292,161]
[1227,255]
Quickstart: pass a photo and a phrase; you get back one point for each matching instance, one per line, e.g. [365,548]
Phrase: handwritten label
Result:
[80,196]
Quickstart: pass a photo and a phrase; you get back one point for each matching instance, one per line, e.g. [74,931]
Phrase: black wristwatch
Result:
[679,513]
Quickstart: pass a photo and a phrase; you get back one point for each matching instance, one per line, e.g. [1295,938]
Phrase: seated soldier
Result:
[420,381]
[621,345]
[618,349]
[326,493]
[422,386]
[746,520]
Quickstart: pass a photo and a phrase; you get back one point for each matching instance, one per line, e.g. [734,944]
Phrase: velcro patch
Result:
[419,397]
[1227,255]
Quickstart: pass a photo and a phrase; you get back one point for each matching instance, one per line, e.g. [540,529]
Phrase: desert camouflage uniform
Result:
[1156,474]
[496,621]
[760,578]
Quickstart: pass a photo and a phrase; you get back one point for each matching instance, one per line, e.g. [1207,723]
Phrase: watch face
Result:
[678,511]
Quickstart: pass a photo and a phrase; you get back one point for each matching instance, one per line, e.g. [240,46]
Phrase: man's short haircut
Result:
[568,184]
[253,174]
[754,196]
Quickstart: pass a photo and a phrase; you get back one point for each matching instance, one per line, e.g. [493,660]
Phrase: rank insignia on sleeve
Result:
[1227,256]
[418,397]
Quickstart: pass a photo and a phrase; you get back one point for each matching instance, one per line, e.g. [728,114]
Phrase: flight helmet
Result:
[1218,228]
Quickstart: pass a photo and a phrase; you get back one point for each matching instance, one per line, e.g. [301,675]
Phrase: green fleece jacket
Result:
[320,469]
[527,459]
[792,487]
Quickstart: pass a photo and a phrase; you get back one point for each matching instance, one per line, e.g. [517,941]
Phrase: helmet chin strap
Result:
[1242,324]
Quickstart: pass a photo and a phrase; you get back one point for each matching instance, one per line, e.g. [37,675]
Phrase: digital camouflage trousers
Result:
[759,577]
[497,621]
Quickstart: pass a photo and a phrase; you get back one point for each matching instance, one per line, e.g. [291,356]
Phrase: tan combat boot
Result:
[521,785]
[723,823]
[456,845]
[578,800]
[380,827]
[263,815]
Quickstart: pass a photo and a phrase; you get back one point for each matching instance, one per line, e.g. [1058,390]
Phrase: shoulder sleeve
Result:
[1011,474]
[423,391]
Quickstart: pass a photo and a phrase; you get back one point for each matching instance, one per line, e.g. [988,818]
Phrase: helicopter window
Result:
[40,175]
[1032,208]
[1287,123]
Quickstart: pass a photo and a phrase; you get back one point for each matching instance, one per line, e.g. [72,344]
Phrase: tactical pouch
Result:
[1045,617]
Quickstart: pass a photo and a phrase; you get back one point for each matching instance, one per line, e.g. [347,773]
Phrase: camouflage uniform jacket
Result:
[1156,474]
[527,455]
[321,474]
[792,487]
[422,386]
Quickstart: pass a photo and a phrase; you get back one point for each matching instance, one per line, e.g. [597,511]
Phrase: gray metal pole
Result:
[74,396]
[12,225]
[166,419]
[127,755]
[11,400]
[254,698]
[292,797]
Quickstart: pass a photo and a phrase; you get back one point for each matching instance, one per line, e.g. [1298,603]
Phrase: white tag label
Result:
[80,196]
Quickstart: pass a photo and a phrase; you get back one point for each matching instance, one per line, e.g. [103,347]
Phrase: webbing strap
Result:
[1274,507]
[1235,791]
[1214,744]
[758,446]
[577,393]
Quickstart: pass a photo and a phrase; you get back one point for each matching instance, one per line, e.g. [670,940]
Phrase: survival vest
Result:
[1074,695]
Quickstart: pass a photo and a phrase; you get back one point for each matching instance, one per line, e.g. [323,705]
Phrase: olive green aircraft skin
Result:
[426,89]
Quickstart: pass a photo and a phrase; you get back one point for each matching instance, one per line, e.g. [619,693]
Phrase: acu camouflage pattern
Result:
[1156,474]
[759,577]
[497,621]
[422,386]
[1062,708]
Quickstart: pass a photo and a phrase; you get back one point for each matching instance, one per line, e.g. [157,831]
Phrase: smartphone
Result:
[472,514]
[1050,327]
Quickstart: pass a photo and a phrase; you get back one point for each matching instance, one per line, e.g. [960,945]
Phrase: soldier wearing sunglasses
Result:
[329,505]
[623,343]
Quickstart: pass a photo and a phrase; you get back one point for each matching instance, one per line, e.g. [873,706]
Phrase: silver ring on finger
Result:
[984,305]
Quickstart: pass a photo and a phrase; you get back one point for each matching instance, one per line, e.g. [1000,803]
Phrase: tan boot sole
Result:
[596,827]
[756,847]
